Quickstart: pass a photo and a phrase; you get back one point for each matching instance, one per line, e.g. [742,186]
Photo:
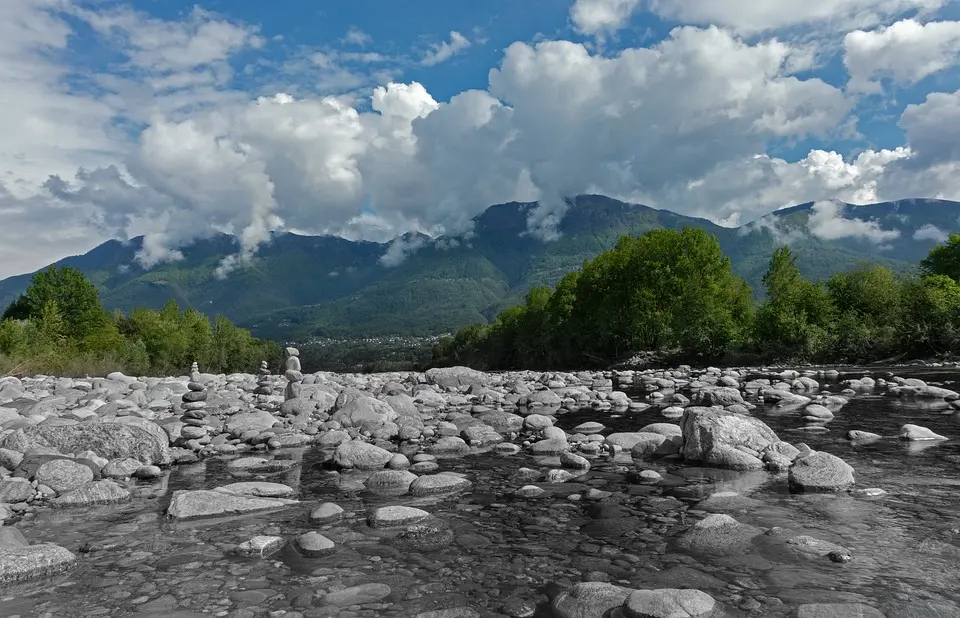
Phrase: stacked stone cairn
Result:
[293,374]
[194,407]
[264,387]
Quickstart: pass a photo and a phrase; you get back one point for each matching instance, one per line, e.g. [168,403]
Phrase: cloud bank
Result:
[168,145]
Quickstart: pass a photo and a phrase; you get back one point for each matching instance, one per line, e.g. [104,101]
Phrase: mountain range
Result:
[305,287]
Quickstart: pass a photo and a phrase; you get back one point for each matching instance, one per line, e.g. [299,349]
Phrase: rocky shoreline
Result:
[70,443]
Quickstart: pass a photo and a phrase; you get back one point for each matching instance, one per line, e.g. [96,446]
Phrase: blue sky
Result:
[372,118]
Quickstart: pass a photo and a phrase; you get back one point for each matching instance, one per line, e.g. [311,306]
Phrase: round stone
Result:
[62,475]
[315,543]
[326,512]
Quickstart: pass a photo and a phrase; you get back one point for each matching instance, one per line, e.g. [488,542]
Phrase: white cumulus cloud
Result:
[827,221]
[751,16]
[931,232]
[600,16]
[906,51]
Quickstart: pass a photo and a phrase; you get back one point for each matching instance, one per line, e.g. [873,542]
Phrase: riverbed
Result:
[499,554]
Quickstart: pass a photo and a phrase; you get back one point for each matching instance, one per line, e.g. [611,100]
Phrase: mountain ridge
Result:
[300,287]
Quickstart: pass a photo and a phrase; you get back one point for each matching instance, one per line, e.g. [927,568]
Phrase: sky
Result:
[368,119]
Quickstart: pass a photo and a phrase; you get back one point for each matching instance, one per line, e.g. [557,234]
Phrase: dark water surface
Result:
[905,545]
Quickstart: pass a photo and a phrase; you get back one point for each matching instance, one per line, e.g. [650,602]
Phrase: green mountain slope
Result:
[302,287]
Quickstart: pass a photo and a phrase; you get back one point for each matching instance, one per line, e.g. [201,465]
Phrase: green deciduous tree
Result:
[944,259]
[76,299]
[794,319]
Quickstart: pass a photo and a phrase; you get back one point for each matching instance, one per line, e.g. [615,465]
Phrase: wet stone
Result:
[357,595]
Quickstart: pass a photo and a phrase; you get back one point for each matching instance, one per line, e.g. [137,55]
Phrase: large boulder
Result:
[108,440]
[452,378]
[365,412]
[705,429]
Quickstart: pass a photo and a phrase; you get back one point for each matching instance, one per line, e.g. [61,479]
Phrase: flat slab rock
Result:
[19,564]
[258,489]
[190,504]
[357,595]
[258,465]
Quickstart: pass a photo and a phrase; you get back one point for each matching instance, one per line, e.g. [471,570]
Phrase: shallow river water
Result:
[509,554]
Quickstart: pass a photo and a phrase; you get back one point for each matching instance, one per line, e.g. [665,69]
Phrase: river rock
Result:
[258,489]
[820,472]
[261,546]
[396,517]
[433,484]
[390,479]
[365,412]
[589,600]
[14,489]
[357,595]
[838,610]
[707,428]
[98,492]
[668,603]
[120,468]
[109,440]
[361,455]
[260,420]
[189,504]
[315,543]
[718,535]
[19,564]
[326,513]
[452,378]
[918,433]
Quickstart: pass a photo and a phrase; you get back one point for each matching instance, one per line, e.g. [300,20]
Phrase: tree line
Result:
[59,326]
[673,293]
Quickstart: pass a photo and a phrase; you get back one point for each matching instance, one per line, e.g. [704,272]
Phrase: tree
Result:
[868,302]
[795,318]
[944,259]
[76,299]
